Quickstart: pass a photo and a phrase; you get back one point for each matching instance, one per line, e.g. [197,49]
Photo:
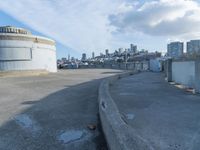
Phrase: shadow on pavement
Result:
[56,122]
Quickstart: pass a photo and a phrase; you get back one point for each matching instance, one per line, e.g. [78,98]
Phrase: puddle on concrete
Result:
[130,116]
[73,136]
[26,123]
[126,94]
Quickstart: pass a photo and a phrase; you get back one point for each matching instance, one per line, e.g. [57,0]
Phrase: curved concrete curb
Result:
[118,134]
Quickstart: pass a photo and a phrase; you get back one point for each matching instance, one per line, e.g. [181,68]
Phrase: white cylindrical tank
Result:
[20,50]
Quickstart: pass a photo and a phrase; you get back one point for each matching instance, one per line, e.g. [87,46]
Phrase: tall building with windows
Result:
[93,55]
[107,52]
[133,48]
[64,60]
[84,57]
[69,57]
[120,50]
[193,46]
[175,49]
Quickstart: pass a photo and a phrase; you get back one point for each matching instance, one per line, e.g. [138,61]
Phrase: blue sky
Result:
[84,26]
[62,51]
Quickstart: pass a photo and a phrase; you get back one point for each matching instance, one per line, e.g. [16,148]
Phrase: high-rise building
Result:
[193,46]
[64,59]
[107,52]
[69,57]
[73,59]
[175,49]
[120,51]
[93,55]
[84,57]
[133,48]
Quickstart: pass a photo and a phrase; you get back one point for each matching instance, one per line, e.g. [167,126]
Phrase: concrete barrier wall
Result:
[155,65]
[197,76]
[118,134]
[183,72]
[128,66]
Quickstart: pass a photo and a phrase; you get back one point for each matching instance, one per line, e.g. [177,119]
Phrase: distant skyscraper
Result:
[64,59]
[101,54]
[72,59]
[68,57]
[84,57]
[120,51]
[175,49]
[133,48]
[107,52]
[193,46]
[93,55]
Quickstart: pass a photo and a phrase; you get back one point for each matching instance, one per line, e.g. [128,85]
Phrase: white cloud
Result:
[89,25]
[170,18]
[81,24]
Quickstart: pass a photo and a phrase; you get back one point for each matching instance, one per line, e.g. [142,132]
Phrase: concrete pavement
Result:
[166,117]
[51,112]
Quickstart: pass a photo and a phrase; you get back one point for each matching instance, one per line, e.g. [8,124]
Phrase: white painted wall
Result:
[15,53]
[15,56]
[184,72]
[155,65]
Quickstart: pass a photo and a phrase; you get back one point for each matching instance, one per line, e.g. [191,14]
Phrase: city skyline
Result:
[116,26]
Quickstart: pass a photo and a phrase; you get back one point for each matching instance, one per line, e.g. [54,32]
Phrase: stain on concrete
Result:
[127,94]
[28,124]
[130,116]
[71,136]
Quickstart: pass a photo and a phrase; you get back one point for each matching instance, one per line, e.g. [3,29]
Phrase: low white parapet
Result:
[185,72]
[118,134]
